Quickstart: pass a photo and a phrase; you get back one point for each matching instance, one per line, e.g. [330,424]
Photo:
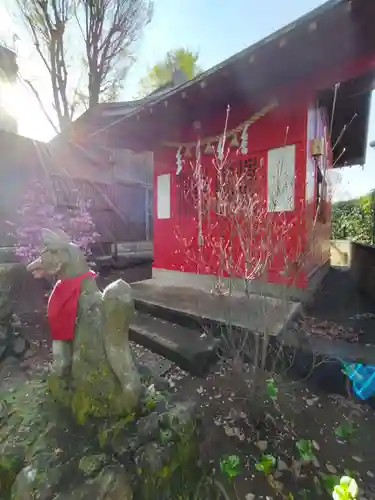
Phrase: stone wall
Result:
[363,268]
[340,253]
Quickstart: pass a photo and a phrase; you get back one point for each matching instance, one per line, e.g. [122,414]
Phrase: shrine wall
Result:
[277,138]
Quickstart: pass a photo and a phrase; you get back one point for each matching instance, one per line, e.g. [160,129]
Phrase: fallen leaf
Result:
[312,401]
[316,446]
[331,469]
[296,468]
[315,462]
[229,431]
[262,445]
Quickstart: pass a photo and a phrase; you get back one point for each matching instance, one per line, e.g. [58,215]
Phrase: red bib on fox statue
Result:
[62,306]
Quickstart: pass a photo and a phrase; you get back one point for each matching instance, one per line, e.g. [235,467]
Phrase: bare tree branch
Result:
[111,29]
[40,102]
[108,29]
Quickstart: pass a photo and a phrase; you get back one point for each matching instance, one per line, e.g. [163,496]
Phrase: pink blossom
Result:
[38,210]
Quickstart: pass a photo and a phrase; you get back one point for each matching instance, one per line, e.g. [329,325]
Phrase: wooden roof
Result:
[316,48]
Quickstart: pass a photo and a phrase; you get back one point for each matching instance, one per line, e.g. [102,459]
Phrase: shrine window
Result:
[239,178]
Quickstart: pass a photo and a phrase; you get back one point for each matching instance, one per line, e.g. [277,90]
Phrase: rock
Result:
[174,456]
[24,486]
[3,334]
[10,361]
[152,457]
[282,466]
[19,345]
[7,365]
[40,478]
[3,348]
[250,496]
[92,464]
[28,354]
[16,322]
[148,427]
[44,454]
[112,483]
[4,411]
[149,376]
[180,416]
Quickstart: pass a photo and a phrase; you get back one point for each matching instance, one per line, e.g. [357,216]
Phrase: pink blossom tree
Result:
[39,209]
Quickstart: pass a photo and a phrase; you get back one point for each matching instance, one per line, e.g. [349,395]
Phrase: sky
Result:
[216,29]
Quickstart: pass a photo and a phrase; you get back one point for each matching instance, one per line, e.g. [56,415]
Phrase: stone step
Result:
[184,346]
[172,315]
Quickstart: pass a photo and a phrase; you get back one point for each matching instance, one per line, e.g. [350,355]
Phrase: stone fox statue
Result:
[89,330]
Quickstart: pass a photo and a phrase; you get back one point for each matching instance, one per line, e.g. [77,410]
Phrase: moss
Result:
[110,431]
[99,395]
[84,405]
[178,477]
[91,464]
[10,466]
[60,390]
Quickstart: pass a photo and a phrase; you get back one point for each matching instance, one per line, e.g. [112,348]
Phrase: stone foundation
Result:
[151,454]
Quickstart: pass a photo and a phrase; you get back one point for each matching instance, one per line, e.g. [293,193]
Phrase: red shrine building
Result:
[299,98]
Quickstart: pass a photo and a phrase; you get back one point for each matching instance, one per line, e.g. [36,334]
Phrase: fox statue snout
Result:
[58,253]
[89,331]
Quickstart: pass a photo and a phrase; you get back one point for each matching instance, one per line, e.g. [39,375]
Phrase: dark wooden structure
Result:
[121,211]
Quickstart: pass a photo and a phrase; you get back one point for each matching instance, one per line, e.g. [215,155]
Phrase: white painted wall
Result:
[281,164]
[163,193]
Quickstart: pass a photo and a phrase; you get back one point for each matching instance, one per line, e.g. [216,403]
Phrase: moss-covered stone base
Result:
[149,454]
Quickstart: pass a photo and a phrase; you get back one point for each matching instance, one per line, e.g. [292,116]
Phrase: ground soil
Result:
[341,311]
[298,413]
[230,427]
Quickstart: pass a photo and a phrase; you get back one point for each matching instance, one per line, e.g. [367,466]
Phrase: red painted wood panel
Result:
[176,239]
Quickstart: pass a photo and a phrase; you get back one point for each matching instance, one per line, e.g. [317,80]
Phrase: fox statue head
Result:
[60,257]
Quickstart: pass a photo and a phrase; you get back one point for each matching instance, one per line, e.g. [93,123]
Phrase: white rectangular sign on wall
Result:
[280,179]
[163,196]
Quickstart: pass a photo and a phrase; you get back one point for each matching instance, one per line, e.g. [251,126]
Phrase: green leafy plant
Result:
[165,435]
[345,431]
[266,464]
[230,466]
[151,397]
[306,449]
[347,489]
[328,481]
[272,390]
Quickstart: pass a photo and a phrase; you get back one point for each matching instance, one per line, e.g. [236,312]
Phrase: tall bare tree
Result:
[95,37]
[111,28]
[47,21]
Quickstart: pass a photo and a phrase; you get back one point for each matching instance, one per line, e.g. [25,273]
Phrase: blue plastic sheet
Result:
[362,378]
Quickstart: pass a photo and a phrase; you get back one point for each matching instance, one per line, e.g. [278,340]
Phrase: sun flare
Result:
[20,105]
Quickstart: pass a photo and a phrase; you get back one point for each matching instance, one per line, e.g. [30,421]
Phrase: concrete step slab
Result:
[184,346]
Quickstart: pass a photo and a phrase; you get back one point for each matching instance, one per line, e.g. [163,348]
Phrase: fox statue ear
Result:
[55,240]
